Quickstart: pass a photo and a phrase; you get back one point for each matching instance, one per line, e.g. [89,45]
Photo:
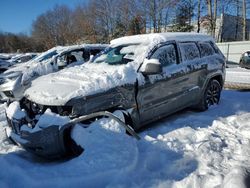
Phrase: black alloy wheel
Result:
[212,94]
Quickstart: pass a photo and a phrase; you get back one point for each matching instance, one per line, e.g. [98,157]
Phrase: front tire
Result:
[211,95]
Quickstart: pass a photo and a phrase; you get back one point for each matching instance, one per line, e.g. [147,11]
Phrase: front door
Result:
[164,93]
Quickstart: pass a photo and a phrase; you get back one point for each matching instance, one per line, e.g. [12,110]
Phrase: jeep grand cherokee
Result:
[146,77]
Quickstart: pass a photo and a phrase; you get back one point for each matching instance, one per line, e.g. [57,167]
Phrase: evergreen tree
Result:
[184,14]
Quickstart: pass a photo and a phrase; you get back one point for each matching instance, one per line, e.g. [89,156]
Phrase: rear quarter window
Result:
[189,51]
[216,49]
[206,49]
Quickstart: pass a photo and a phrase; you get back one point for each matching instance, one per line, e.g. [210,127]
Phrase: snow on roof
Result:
[161,37]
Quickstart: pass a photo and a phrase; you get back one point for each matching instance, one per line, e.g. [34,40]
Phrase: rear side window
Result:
[206,49]
[166,55]
[189,51]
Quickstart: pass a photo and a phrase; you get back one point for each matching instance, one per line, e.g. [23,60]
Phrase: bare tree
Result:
[184,14]
[54,27]
[210,16]
[214,17]
[198,16]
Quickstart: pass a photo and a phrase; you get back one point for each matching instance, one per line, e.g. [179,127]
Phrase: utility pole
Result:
[244,20]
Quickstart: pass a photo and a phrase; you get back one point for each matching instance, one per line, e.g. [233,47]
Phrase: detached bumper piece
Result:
[47,142]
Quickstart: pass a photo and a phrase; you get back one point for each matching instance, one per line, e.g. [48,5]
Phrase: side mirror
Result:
[151,66]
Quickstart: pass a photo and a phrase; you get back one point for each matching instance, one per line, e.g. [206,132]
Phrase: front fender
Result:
[123,97]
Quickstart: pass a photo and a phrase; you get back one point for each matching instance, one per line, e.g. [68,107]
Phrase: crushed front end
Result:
[37,129]
[46,130]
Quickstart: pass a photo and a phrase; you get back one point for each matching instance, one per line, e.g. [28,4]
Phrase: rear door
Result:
[196,68]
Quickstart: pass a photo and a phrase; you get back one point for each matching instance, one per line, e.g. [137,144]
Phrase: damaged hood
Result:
[80,81]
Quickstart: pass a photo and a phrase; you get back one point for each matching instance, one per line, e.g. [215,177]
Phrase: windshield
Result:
[118,55]
[47,56]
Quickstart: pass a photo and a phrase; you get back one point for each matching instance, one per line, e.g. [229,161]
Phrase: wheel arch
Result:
[71,148]
[218,77]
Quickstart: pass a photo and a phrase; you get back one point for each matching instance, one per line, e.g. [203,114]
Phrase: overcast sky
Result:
[16,16]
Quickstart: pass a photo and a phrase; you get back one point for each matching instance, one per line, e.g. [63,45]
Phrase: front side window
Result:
[166,55]
[189,51]
[206,49]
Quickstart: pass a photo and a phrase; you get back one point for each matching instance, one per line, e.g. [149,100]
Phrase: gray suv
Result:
[146,77]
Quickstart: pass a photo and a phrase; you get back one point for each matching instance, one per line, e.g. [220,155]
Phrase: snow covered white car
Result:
[19,58]
[145,77]
[14,81]
[22,58]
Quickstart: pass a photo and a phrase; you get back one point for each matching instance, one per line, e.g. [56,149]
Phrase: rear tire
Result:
[211,95]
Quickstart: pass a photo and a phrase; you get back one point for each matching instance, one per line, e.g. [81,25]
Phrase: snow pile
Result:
[50,118]
[219,151]
[188,149]
[14,111]
[5,146]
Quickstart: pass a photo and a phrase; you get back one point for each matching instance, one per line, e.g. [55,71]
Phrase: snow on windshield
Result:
[38,69]
[121,54]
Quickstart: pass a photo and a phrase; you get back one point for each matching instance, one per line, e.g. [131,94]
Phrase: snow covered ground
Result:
[237,78]
[237,74]
[188,149]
